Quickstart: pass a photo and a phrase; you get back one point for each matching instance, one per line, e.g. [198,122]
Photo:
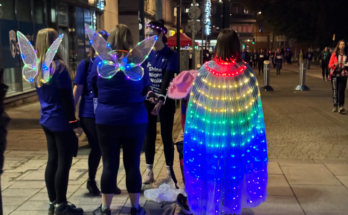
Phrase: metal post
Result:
[178,23]
[266,76]
[142,20]
[193,40]
[159,11]
[302,86]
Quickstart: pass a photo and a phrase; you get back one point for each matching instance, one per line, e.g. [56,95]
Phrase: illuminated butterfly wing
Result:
[51,52]
[109,66]
[131,65]
[28,56]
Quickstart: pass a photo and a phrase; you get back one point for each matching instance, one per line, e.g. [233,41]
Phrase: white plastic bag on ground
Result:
[165,193]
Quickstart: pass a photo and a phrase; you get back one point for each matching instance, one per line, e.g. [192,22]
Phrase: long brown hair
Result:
[228,46]
[337,49]
[44,39]
[121,39]
[105,35]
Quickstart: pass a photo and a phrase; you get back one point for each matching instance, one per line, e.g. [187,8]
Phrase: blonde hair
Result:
[121,39]
[44,39]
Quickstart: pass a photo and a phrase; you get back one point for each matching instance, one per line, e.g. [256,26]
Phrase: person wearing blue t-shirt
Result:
[161,66]
[121,119]
[59,124]
[84,90]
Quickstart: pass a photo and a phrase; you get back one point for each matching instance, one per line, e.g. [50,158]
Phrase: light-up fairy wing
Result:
[131,66]
[51,52]
[110,65]
[28,56]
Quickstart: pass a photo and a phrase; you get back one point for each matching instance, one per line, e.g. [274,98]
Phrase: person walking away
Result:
[247,57]
[54,89]
[309,58]
[120,116]
[84,90]
[243,54]
[272,58]
[250,58]
[289,57]
[301,57]
[324,59]
[260,59]
[338,75]
[161,65]
[279,60]
[255,58]
[225,168]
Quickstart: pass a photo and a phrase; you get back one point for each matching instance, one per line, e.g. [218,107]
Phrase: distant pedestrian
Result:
[250,57]
[338,75]
[289,57]
[243,54]
[301,57]
[260,59]
[247,57]
[272,58]
[255,58]
[279,60]
[324,59]
[309,58]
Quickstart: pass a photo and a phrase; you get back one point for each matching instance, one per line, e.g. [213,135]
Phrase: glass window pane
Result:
[240,29]
[7,9]
[245,29]
[38,11]
[24,10]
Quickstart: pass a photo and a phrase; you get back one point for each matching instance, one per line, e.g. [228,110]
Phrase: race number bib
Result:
[279,57]
[261,55]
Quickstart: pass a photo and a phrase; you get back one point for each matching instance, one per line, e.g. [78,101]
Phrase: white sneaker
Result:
[148,177]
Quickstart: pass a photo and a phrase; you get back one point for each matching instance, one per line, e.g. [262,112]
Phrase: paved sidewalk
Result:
[307,146]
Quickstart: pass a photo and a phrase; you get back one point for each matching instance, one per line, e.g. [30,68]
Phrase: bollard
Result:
[302,86]
[266,76]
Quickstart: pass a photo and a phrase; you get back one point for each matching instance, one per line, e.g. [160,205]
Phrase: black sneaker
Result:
[99,211]
[51,208]
[181,200]
[118,191]
[342,110]
[93,188]
[66,208]
[140,211]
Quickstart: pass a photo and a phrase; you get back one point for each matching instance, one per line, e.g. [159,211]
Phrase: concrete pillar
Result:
[159,10]
[128,13]
[110,16]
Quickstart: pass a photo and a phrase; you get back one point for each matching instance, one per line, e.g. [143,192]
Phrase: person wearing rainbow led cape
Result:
[225,147]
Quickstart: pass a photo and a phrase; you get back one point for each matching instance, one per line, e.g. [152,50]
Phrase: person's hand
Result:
[78,132]
[157,108]
[153,100]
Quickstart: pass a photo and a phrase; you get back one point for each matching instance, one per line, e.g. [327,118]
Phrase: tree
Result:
[310,21]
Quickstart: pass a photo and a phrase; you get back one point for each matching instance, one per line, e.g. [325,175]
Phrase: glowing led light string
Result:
[223,98]
[226,74]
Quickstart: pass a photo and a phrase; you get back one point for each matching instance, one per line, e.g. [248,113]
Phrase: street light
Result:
[259,12]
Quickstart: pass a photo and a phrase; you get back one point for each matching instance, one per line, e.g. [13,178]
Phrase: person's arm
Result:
[77,92]
[79,81]
[168,77]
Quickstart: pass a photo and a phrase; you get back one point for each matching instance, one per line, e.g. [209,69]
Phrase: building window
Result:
[24,11]
[38,11]
[234,10]
[240,29]
[245,29]
[250,29]
[246,11]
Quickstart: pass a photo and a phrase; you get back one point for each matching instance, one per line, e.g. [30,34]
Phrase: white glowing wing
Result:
[28,56]
[51,52]
[141,51]
[101,46]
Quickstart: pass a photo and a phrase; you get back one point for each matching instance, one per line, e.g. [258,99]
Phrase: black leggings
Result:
[88,126]
[166,115]
[62,146]
[260,67]
[131,137]
[325,71]
[338,90]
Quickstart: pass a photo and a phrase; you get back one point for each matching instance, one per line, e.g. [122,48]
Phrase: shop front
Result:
[29,17]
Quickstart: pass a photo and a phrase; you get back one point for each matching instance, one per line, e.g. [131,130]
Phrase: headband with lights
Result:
[155,27]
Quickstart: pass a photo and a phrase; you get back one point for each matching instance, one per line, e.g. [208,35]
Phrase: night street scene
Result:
[173,107]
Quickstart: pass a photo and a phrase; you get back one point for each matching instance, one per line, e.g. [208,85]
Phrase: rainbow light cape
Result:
[31,63]
[111,64]
[225,147]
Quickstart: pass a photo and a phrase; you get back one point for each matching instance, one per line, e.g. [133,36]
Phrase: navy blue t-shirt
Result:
[120,100]
[155,66]
[53,116]
[86,108]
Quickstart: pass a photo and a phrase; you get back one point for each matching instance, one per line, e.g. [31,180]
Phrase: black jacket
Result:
[325,58]
[309,56]
[261,57]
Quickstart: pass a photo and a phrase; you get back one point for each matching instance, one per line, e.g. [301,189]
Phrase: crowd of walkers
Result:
[112,113]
